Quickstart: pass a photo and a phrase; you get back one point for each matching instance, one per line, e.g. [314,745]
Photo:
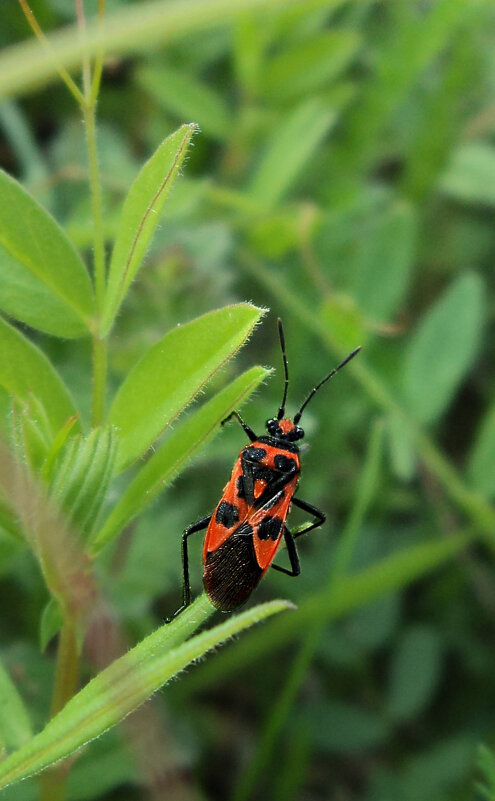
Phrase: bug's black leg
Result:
[249,431]
[293,557]
[320,517]
[186,587]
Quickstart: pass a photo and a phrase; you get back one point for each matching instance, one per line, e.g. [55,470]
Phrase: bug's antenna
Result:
[327,378]
[281,411]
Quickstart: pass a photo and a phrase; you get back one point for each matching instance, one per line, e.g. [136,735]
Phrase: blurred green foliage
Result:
[344,177]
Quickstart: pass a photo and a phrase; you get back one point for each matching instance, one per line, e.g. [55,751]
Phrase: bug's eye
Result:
[271,424]
[298,433]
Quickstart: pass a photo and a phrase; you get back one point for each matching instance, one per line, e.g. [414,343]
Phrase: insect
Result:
[245,530]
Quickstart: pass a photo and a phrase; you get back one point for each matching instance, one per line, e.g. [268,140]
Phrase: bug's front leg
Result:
[186,587]
[319,516]
[248,431]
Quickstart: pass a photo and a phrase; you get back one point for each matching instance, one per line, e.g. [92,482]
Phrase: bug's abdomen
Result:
[231,572]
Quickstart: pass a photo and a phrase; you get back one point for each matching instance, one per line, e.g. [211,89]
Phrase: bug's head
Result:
[282,427]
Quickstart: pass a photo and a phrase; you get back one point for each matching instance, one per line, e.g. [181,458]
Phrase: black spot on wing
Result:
[241,492]
[254,454]
[284,463]
[270,528]
[231,572]
[227,514]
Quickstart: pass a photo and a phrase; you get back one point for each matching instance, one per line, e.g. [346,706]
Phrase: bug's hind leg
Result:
[248,431]
[319,516]
[295,567]
[290,538]
[186,587]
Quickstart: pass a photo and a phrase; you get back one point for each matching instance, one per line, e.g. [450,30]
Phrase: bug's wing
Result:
[268,524]
[229,513]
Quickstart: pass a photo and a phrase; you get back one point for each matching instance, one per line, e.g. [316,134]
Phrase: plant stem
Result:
[99,344]
[66,680]
[46,44]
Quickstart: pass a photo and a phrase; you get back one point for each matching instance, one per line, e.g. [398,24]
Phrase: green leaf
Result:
[127,683]
[25,371]
[443,348]
[15,726]
[140,216]
[172,372]
[31,432]
[44,282]
[293,144]
[51,622]
[470,176]
[171,458]
[482,459]
[308,65]
[188,98]
[415,672]
[384,263]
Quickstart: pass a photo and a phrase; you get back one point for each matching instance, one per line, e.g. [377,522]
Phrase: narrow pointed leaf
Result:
[182,445]
[140,216]
[126,684]
[43,281]
[172,372]
[25,371]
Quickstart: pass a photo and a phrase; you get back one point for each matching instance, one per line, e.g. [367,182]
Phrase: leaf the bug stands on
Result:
[126,684]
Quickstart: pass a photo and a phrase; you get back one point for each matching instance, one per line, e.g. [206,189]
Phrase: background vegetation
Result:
[343,176]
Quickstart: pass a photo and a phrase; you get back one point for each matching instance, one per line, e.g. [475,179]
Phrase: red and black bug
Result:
[247,526]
